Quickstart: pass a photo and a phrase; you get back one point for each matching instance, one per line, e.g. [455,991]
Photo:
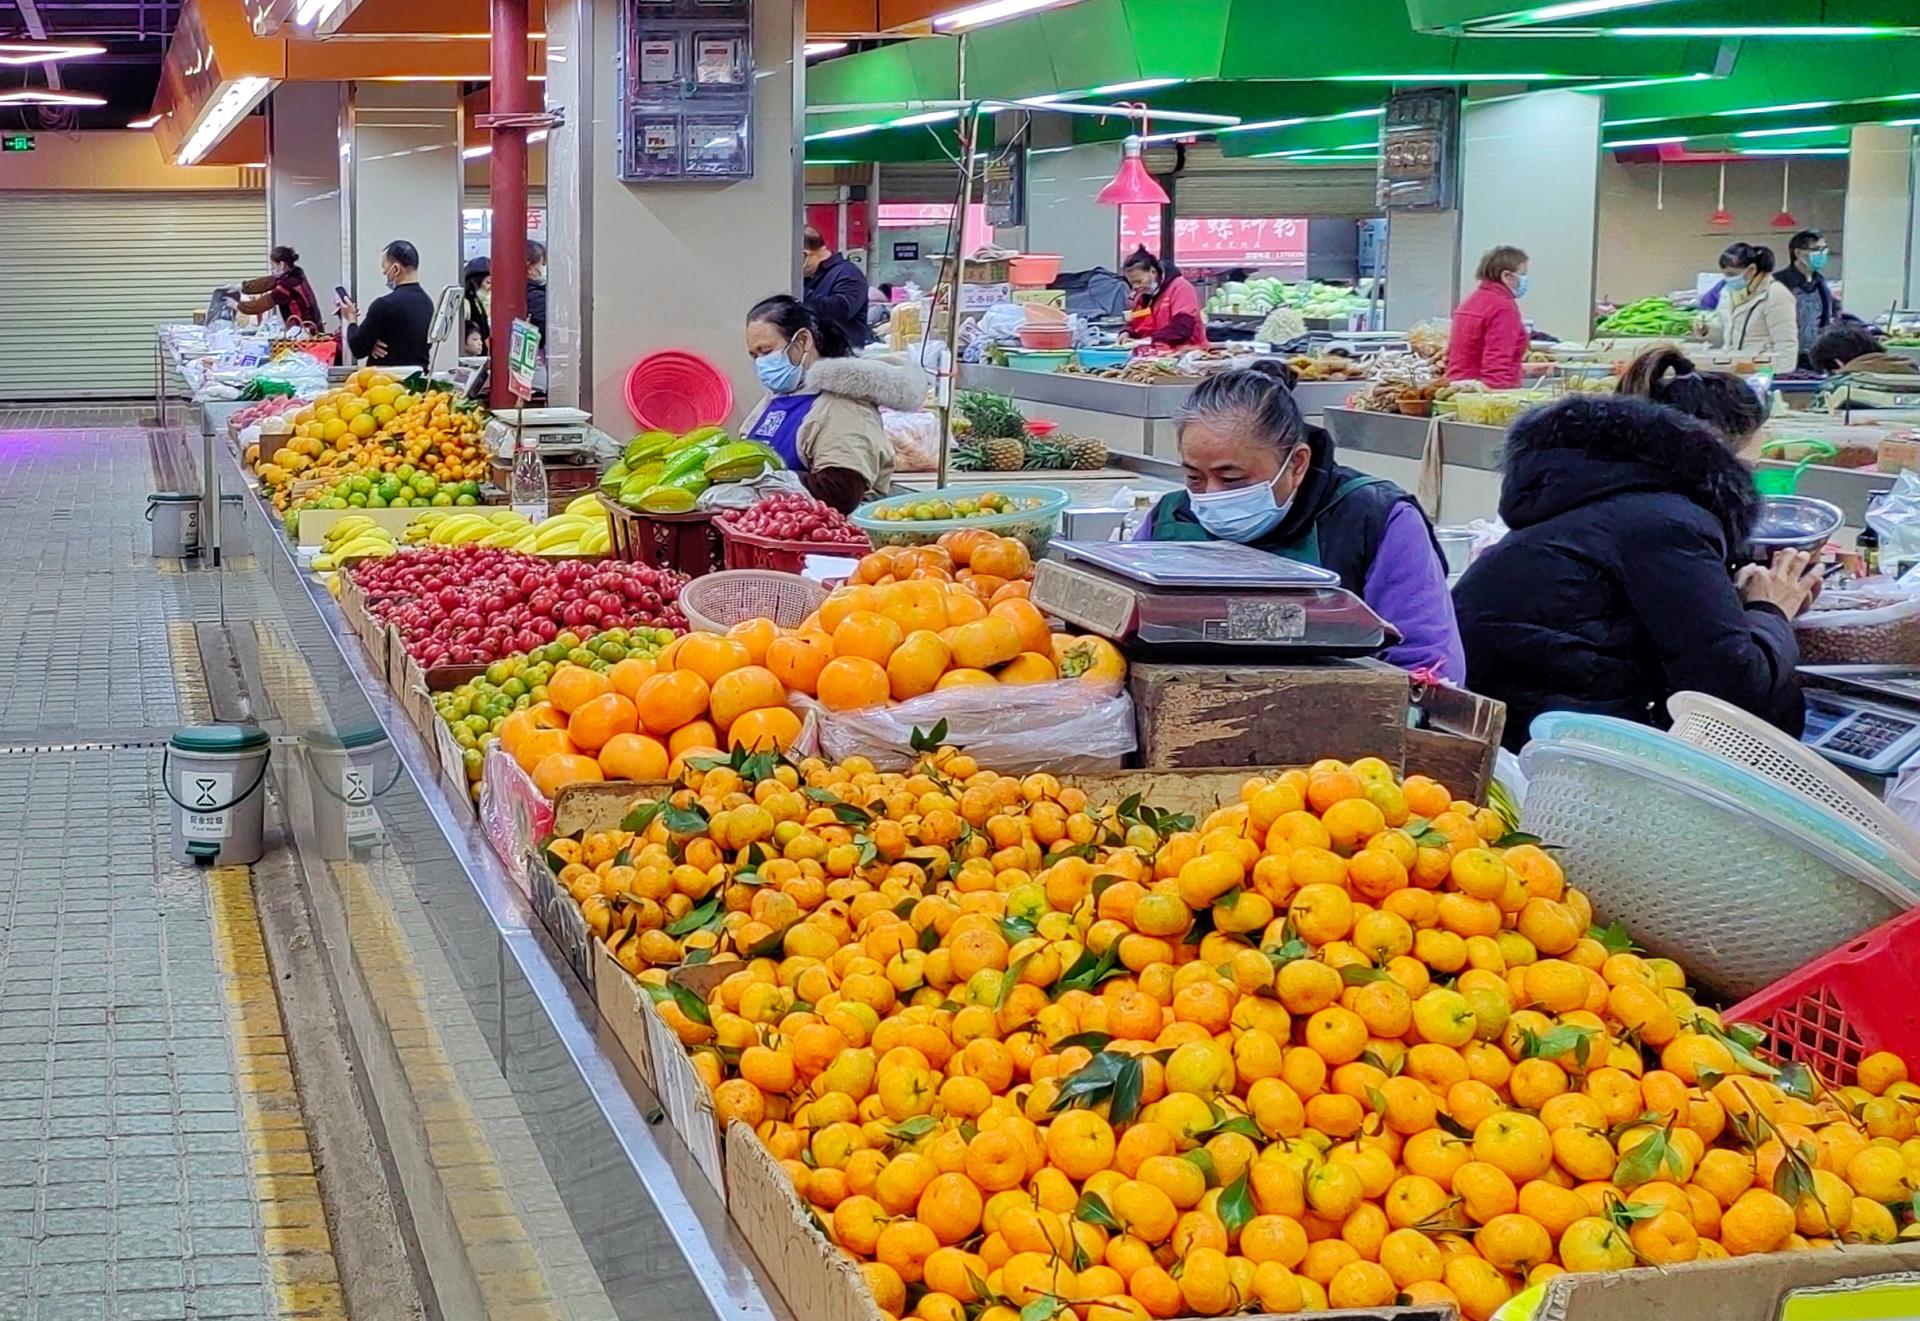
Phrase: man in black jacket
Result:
[394,333]
[836,289]
[537,289]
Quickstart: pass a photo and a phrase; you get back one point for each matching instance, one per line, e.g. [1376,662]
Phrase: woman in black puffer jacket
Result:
[1612,591]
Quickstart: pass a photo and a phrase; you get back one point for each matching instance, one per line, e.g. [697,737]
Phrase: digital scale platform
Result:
[563,435]
[1863,717]
[1212,600]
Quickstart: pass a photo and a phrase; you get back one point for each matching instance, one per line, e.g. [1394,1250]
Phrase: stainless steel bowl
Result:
[1791,522]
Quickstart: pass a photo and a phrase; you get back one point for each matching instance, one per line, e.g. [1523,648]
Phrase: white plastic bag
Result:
[745,495]
[916,440]
[1895,519]
[1066,725]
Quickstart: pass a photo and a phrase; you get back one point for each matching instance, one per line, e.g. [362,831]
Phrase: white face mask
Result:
[1243,514]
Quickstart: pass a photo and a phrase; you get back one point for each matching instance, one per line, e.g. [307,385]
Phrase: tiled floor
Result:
[131,1178]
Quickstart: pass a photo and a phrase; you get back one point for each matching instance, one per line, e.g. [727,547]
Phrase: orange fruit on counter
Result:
[962,542]
[921,603]
[629,674]
[796,660]
[573,686]
[556,772]
[634,757]
[540,744]
[1025,616]
[866,633]
[1027,667]
[693,734]
[515,728]
[1003,557]
[746,689]
[849,683]
[599,720]
[966,678]
[963,607]
[985,643]
[678,766]
[843,601]
[873,567]
[917,664]
[768,728]
[1019,589]
[756,635]
[668,701]
[709,655]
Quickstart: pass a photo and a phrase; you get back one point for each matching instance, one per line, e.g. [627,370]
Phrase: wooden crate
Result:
[1197,716]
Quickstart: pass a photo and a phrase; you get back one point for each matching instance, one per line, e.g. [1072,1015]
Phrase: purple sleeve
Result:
[1407,587]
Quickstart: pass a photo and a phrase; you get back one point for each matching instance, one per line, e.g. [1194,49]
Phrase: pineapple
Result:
[967,456]
[1044,455]
[1085,454]
[1003,453]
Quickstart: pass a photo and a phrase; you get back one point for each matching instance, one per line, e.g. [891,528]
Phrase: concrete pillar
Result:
[403,179]
[303,181]
[1423,266]
[636,268]
[1877,245]
[1530,177]
[1062,181]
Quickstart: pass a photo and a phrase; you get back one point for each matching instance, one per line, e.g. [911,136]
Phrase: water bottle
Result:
[529,488]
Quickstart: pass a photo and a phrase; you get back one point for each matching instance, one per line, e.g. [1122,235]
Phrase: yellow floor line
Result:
[300,1262]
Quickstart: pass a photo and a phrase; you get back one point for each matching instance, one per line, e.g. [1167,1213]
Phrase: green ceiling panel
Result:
[1540,16]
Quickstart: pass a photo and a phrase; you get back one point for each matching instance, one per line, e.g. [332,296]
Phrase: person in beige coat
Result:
[1758,318]
[822,410]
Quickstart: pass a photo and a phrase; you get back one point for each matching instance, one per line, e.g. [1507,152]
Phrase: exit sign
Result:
[16,142]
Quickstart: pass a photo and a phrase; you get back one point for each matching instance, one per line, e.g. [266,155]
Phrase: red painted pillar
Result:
[507,184]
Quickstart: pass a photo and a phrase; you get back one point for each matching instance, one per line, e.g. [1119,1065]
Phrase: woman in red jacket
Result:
[1489,339]
[1166,307]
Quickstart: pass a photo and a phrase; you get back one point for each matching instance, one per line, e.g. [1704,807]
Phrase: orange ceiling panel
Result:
[911,13]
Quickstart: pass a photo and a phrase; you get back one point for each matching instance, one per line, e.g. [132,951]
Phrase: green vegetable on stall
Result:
[1652,318]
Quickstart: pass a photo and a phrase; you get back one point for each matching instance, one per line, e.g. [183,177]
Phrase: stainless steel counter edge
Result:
[1468,445]
[1097,394]
[717,1263]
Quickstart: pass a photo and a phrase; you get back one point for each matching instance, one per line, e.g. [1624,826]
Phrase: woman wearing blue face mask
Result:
[1805,277]
[822,410]
[1259,475]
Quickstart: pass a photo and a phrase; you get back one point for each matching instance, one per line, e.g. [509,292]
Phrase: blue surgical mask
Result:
[1818,259]
[1520,285]
[780,374]
[1243,514]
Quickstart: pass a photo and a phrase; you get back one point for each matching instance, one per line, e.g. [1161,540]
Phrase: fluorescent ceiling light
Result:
[1791,151]
[1639,142]
[1579,8]
[148,122]
[1762,31]
[1902,123]
[46,52]
[1787,132]
[1776,109]
[928,117]
[252,165]
[1643,82]
[312,13]
[240,96]
[813,48]
[1137,85]
[47,96]
[990,11]
[486,148]
[852,130]
[1371,112]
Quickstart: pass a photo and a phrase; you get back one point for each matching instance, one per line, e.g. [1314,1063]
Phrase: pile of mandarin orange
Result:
[1342,1042]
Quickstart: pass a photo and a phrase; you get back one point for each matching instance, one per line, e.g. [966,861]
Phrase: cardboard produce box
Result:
[1206,716]
[1737,1289]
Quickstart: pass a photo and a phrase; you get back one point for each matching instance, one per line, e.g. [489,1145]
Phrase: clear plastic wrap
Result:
[1062,726]
[916,440]
[513,811]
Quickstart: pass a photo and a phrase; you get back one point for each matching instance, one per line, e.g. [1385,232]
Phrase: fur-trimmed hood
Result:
[890,381]
[1592,447]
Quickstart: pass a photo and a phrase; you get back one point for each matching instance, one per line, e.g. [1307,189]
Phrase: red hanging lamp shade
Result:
[1132,184]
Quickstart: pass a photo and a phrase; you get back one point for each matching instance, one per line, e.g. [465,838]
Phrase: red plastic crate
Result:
[686,543]
[1850,1002]
[746,550]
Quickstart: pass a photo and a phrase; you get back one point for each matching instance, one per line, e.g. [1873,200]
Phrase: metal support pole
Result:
[507,186]
[969,135]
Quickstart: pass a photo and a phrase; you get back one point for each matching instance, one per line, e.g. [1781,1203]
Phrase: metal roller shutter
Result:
[87,276]
[1213,185]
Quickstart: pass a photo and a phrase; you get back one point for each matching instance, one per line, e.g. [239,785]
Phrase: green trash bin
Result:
[216,777]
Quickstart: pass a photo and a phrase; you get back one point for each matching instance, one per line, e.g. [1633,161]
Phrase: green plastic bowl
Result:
[1033,526]
[1037,360]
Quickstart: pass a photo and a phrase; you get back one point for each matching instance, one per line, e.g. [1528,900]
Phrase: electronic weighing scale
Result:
[1210,600]
[563,435]
[1863,717]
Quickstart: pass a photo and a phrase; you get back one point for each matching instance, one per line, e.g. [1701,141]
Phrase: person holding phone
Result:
[394,332]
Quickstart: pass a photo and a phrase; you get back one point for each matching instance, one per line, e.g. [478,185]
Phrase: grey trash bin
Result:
[216,777]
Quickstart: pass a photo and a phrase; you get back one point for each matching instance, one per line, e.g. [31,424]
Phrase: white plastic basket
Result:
[1740,896]
[715,602]
[1721,728]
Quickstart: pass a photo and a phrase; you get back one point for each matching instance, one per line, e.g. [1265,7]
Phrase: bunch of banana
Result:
[354,537]
[585,532]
